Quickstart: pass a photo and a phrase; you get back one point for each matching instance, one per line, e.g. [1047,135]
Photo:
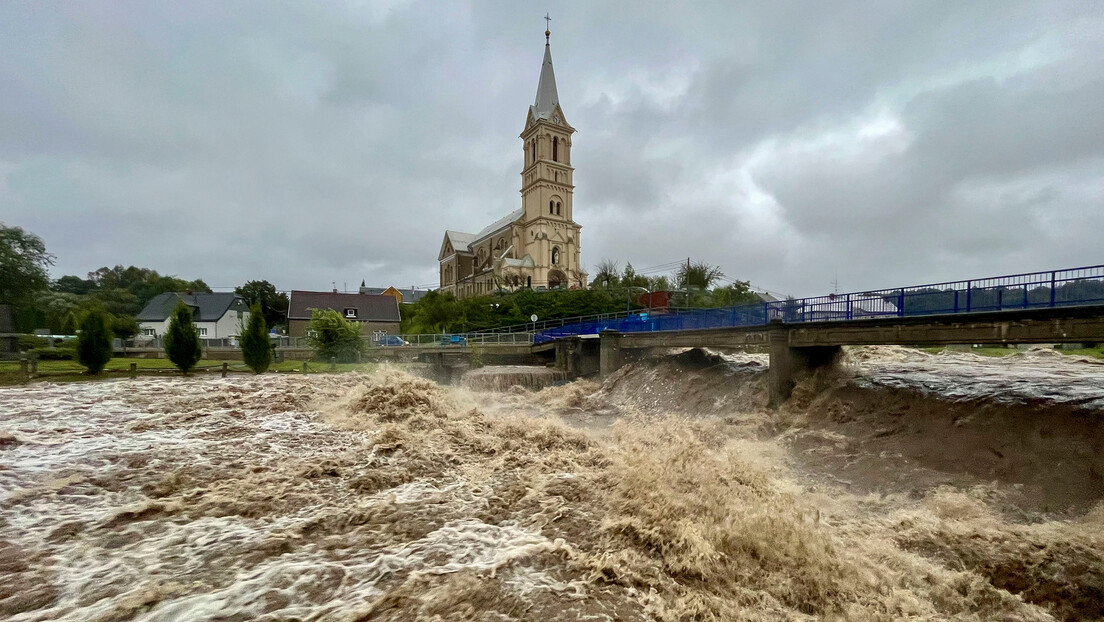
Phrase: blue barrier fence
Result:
[1057,288]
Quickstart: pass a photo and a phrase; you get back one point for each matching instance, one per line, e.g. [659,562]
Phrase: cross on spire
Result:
[547,27]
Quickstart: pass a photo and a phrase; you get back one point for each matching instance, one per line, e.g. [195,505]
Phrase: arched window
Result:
[555,149]
[555,255]
[551,207]
[534,150]
[557,208]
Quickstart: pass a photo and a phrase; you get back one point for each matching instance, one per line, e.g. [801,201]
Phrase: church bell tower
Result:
[551,235]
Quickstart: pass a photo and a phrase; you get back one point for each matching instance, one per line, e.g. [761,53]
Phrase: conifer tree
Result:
[182,339]
[256,350]
[94,342]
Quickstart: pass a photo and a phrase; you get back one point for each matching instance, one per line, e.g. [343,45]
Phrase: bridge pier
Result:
[610,357]
[789,365]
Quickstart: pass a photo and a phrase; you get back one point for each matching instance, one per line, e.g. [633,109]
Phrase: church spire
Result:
[547,97]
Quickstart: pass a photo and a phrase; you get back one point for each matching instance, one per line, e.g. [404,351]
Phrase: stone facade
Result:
[536,246]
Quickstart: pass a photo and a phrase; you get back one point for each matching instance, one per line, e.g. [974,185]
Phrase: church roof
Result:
[459,241]
[547,97]
[498,224]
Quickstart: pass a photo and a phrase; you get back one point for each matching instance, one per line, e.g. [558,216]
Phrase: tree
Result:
[605,275]
[274,304]
[629,278]
[182,339]
[699,275]
[24,265]
[124,326]
[256,349]
[333,337]
[739,293]
[94,342]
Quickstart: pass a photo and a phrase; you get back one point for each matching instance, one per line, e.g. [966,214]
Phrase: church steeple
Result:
[547,97]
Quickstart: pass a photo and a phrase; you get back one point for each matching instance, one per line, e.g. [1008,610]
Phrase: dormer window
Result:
[350,313]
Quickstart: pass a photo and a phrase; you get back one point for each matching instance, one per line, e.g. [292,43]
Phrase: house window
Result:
[555,149]
[350,313]
[149,332]
[202,331]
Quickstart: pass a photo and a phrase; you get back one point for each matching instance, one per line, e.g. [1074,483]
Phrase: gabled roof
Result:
[498,224]
[205,307]
[547,97]
[369,307]
[459,240]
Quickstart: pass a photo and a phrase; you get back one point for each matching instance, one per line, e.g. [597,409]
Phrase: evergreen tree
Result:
[256,351]
[94,342]
[182,339]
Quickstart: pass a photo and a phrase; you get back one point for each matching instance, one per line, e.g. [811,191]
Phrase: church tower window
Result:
[557,208]
[555,255]
[551,207]
[555,150]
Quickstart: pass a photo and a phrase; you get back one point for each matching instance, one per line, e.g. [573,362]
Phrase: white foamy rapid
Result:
[172,499]
[674,494]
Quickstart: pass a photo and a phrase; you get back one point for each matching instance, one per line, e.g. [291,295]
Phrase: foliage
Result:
[274,304]
[67,351]
[94,342]
[124,326]
[629,278]
[30,342]
[738,293]
[698,275]
[605,274]
[255,345]
[436,312]
[24,265]
[333,337]
[119,290]
[182,339]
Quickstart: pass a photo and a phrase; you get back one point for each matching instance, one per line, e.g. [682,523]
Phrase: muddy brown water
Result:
[910,486]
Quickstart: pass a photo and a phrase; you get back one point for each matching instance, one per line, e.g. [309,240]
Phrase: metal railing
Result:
[1056,288]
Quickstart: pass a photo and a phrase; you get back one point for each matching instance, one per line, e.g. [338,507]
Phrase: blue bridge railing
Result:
[1035,290]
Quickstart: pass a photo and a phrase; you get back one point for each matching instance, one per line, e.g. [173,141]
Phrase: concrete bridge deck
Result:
[798,349]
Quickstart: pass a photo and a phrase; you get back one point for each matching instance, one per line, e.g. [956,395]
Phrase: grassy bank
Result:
[69,371]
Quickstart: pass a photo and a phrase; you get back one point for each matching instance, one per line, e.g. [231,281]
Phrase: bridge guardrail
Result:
[1056,288]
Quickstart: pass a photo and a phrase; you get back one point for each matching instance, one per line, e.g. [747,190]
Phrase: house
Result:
[536,246]
[378,314]
[403,295]
[216,316]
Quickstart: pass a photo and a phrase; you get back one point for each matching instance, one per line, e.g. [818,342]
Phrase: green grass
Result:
[118,367]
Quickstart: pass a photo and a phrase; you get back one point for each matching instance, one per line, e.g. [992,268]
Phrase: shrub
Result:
[94,342]
[32,342]
[333,337]
[66,352]
[256,349]
[182,340]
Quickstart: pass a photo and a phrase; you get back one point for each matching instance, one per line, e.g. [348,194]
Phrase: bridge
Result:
[1059,306]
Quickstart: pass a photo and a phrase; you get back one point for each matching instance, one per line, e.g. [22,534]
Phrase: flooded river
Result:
[909,485]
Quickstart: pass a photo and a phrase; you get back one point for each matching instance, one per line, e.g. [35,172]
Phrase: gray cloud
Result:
[315,142]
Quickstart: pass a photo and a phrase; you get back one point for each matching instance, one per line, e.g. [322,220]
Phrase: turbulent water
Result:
[906,486]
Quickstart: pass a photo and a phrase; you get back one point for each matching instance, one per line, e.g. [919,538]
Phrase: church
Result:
[537,245]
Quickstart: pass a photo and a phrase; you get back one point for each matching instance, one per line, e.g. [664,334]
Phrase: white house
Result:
[216,316]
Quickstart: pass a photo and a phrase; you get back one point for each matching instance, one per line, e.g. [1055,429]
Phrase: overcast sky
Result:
[793,144]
